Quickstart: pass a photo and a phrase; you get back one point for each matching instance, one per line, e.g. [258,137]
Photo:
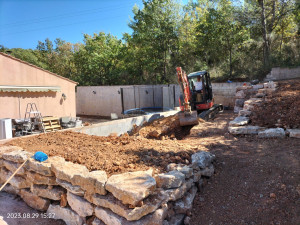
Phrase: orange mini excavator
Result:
[196,103]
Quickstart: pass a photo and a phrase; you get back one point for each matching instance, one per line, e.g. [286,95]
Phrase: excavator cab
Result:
[200,99]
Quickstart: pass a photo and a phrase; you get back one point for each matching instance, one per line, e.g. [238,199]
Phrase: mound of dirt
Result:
[282,109]
[167,127]
[112,154]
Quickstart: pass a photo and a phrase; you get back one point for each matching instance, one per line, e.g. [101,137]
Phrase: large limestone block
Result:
[239,121]
[37,178]
[17,181]
[245,130]
[295,133]
[272,133]
[96,221]
[176,220]
[184,169]
[82,207]
[2,222]
[18,156]
[203,159]
[108,217]
[65,214]
[93,182]
[149,205]
[132,187]
[75,189]
[45,191]
[5,149]
[34,201]
[186,203]
[172,179]
[244,113]
[177,193]
[70,172]
[239,102]
[240,94]
[12,166]
[208,171]
[43,168]
[237,109]
[11,189]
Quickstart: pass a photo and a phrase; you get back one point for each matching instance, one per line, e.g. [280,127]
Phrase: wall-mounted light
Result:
[147,92]
[64,97]
[94,92]
[119,92]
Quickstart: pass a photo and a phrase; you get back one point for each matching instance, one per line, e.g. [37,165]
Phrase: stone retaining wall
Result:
[70,192]
[246,98]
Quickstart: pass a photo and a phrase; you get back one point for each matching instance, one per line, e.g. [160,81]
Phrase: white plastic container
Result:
[5,128]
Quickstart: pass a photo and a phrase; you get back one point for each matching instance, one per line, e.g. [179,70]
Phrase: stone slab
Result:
[77,190]
[34,201]
[208,171]
[37,178]
[45,191]
[6,149]
[92,182]
[81,206]
[108,217]
[245,130]
[18,156]
[203,159]
[177,193]
[239,121]
[132,187]
[186,203]
[272,133]
[13,166]
[172,179]
[150,204]
[294,133]
[43,168]
[65,214]
[17,181]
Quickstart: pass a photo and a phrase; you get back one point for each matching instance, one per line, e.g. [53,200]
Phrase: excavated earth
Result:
[282,108]
[118,154]
[256,180]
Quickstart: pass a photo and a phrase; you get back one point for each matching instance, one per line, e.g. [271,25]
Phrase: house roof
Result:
[21,61]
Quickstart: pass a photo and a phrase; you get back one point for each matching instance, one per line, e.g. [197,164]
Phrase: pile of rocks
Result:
[246,99]
[70,192]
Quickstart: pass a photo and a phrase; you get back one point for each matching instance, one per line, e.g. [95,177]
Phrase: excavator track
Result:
[211,113]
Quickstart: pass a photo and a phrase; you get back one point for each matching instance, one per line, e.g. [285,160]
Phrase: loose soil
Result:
[282,109]
[256,180]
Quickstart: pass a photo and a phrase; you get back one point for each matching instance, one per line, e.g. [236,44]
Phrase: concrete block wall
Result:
[278,73]
[104,100]
[70,192]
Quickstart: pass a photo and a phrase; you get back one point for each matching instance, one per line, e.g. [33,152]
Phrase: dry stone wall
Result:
[70,192]
[245,99]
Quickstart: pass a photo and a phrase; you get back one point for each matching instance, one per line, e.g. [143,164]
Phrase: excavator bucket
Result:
[188,118]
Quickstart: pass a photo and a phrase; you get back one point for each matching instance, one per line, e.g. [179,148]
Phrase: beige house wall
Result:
[19,73]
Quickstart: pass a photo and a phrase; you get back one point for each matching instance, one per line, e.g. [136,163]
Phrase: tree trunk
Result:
[264,34]
[230,62]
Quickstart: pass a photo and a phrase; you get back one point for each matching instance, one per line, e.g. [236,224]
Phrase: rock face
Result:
[150,204]
[171,179]
[82,207]
[132,187]
[45,191]
[239,121]
[65,214]
[245,130]
[272,133]
[34,201]
[203,159]
[246,113]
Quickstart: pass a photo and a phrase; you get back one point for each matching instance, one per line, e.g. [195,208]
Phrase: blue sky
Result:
[24,22]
